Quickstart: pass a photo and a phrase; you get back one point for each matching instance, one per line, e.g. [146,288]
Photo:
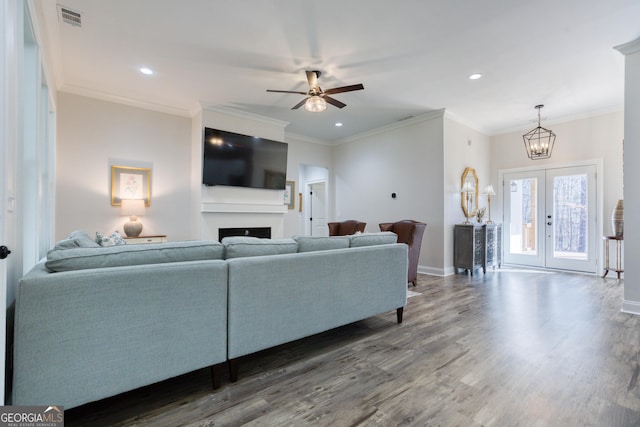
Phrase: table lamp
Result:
[133,208]
[489,191]
[467,189]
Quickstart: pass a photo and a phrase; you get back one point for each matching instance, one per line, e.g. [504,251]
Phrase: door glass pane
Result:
[570,217]
[524,224]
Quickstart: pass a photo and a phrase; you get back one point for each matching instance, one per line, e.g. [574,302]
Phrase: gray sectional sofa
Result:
[92,322]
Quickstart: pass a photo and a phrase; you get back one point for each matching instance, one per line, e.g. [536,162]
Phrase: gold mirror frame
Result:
[469,175]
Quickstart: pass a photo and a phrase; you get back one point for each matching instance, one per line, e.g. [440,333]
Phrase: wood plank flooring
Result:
[509,348]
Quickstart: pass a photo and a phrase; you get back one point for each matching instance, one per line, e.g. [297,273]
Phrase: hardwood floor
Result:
[509,348]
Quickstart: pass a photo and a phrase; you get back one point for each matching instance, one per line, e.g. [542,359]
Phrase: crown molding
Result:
[431,115]
[245,115]
[305,138]
[629,48]
[91,93]
[449,115]
[560,120]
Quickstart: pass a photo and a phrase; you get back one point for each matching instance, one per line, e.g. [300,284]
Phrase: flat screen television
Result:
[243,161]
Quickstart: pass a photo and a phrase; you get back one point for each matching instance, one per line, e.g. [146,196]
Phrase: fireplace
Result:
[261,232]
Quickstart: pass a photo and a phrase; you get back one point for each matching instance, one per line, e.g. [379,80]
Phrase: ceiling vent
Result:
[69,16]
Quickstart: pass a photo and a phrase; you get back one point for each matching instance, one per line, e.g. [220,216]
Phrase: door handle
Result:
[4,252]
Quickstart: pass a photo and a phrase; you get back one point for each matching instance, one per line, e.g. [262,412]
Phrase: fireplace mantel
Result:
[250,208]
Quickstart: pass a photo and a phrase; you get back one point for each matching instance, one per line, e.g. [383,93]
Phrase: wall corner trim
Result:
[629,48]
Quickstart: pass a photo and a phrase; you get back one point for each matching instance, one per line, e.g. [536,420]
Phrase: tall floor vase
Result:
[617,219]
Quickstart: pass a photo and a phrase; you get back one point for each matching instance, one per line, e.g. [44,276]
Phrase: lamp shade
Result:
[468,188]
[488,190]
[132,207]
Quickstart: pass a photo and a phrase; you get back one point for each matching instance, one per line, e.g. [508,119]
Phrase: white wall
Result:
[406,159]
[592,138]
[92,134]
[463,147]
[631,177]
[234,207]
[308,161]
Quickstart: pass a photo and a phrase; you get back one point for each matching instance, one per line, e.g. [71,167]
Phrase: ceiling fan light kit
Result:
[315,104]
[539,141]
[317,99]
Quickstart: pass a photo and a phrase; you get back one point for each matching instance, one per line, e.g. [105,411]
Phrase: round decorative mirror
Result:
[469,192]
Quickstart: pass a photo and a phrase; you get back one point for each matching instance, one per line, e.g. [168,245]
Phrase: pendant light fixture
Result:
[539,141]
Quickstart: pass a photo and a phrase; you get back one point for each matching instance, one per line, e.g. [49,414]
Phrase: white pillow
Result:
[114,240]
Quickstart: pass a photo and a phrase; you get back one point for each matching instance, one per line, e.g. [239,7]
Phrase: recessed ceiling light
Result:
[147,71]
[338,124]
[475,76]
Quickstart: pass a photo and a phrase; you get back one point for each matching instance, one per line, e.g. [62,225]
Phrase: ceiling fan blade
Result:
[287,91]
[334,101]
[300,104]
[344,89]
[312,78]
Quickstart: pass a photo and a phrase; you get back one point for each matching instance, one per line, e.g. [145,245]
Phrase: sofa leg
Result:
[233,370]
[216,373]
[399,312]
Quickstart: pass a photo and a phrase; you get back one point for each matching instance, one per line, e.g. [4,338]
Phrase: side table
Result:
[619,241]
[144,240]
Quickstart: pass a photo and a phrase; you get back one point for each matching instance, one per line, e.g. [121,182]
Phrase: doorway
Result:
[550,218]
[317,217]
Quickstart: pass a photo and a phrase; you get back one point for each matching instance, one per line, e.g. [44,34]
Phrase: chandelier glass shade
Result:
[539,141]
[315,104]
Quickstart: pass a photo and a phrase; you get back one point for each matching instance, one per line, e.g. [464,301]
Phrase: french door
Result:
[550,218]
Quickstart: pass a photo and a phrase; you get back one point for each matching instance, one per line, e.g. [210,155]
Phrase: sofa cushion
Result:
[370,239]
[310,244]
[77,239]
[115,256]
[241,246]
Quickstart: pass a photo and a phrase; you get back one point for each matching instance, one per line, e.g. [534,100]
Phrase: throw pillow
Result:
[114,240]
[77,239]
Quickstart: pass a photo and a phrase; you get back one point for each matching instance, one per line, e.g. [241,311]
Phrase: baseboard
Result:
[433,271]
[631,307]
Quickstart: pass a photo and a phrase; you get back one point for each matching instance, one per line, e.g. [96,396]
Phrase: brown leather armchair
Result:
[346,228]
[409,232]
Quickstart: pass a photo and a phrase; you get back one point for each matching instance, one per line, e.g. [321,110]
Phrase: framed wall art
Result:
[289,194]
[130,183]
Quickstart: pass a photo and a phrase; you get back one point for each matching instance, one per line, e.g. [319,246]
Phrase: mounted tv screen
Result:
[243,161]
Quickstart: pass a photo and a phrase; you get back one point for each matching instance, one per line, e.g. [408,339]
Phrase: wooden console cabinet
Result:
[145,240]
[477,245]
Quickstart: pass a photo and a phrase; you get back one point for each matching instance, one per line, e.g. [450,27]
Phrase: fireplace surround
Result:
[260,232]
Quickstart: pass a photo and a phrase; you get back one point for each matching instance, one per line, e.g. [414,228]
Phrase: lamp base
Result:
[132,228]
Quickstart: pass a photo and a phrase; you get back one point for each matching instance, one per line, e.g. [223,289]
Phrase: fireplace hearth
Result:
[260,232]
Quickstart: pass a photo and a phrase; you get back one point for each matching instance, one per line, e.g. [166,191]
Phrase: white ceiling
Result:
[413,56]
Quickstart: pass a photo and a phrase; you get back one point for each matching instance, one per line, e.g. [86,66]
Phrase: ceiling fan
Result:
[317,98]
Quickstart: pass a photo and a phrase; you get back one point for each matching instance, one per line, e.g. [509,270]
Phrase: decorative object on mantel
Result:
[289,191]
[617,219]
[130,183]
[489,191]
[133,208]
[539,141]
